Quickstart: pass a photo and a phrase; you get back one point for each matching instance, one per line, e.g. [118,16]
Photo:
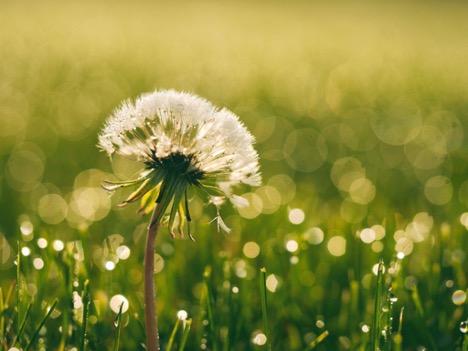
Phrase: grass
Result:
[359,110]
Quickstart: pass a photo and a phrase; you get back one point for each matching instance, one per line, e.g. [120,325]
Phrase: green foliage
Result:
[360,115]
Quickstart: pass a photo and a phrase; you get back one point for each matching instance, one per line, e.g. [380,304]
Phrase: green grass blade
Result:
[398,338]
[419,307]
[173,333]
[2,319]
[18,284]
[187,326]
[9,294]
[465,343]
[85,315]
[118,319]
[209,308]
[400,321]
[317,341]
[23,323]
[36,333]
[377,307]
[263,292]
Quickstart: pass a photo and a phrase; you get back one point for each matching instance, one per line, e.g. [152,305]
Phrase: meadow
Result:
[357,238]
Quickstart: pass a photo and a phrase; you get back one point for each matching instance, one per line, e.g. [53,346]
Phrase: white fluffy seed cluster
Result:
[166,122]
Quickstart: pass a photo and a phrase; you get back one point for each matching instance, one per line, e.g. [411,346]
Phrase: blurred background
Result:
[360,114]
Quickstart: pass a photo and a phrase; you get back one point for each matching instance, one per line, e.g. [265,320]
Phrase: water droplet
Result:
[464,327]
[385,309]
[393,298]
[116,320]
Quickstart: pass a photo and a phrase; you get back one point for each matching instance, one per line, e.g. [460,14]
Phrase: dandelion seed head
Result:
[168,122]
[183,141]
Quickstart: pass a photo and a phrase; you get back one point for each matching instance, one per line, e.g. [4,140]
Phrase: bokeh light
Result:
[337,246]
[182,315]
[305,150]
[251,249]
[272,283]
[296,216]
[116,301]
[439,190]
[259,339]
[313,236]
[459,297]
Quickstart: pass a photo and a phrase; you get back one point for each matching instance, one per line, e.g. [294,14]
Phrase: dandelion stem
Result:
[152,333]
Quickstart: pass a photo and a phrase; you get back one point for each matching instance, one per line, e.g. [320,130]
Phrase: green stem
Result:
[85,315]
[377,307]
[36,333]
[264,306]
[152,332]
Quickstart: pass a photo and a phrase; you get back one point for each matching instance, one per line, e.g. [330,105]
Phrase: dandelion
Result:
[184,143]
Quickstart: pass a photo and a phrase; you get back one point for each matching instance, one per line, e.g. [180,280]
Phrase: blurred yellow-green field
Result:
[360,112]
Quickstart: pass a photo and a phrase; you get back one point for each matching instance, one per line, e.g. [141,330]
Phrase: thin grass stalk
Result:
[227,301]
[18,285]
[23,323]
[6,303]
[85,315]
[419,307]
[465,343]
[398,338]
[209,308]
[173,333]
[183,341]
[317,341]
[36,333]
[118,323]
[2,319]
[377,306]
[68,308]
[9,294]
[388,328]
[263,292]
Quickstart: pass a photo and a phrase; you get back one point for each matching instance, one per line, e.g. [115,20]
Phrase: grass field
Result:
[360,112]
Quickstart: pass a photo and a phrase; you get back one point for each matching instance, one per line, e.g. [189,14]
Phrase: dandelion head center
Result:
[177,165]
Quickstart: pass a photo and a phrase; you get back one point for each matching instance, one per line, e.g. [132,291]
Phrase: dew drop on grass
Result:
[464,327]
[393,298]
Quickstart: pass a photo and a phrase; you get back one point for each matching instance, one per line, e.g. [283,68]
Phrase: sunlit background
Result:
[360,111]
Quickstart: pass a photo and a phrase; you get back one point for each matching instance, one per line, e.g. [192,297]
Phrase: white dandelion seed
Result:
[183,141]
